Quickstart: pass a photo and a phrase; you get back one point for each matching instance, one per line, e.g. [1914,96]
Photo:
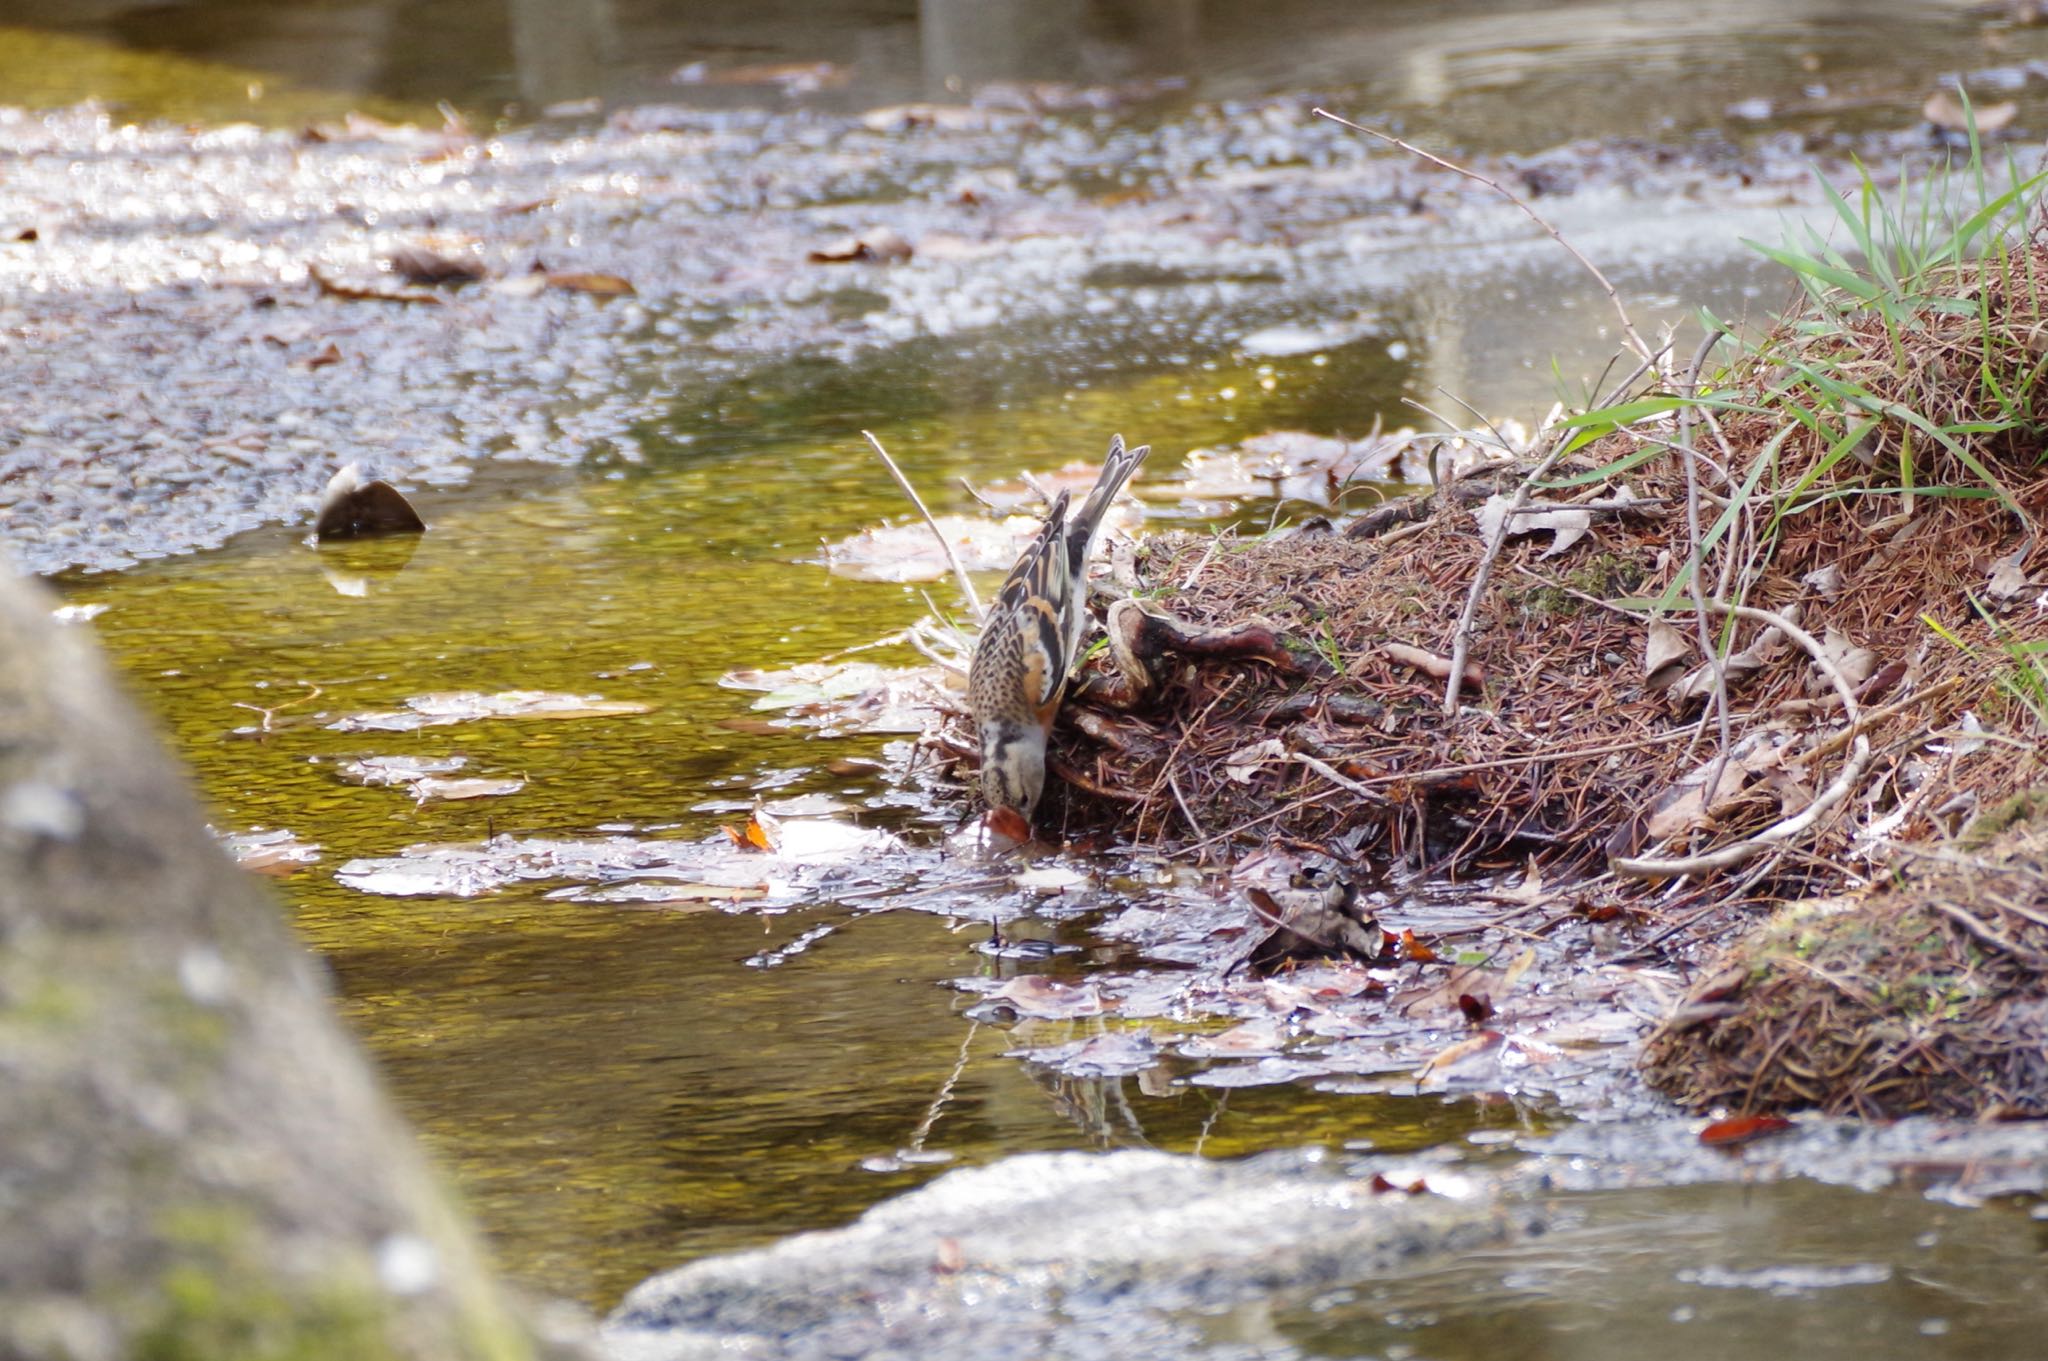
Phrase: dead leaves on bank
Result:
[424,270]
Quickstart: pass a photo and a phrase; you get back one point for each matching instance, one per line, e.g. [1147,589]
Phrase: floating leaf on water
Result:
[1742,1130]
[336,288]
[390,770]
[1288,339]
[1946,111]
[810,858]
[1049,999]
[597,285]
[791,77]
[1295,465]
[274,852]
[1265,1072]
[1049,879]
[465,706]
[1476,1008]
[1253,1039]
[328,354]
[658,893]
[880,245]
[1476,1058]
[475,787]
[909,552]
[1118,1054]
[427,267]
[846,697]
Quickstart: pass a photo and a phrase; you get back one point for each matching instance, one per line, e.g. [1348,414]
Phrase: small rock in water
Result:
[351,508]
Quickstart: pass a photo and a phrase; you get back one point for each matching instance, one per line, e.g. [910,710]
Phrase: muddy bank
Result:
[202,324]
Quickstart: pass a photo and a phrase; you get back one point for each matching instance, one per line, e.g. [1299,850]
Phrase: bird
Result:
[1018,673]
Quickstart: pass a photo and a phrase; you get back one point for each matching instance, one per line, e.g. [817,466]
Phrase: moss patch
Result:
[1927,996]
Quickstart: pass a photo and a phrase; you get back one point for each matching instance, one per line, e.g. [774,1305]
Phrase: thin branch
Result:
[1336,777]
[1461,639]
[1636,342]
[1702,631]
[952,558]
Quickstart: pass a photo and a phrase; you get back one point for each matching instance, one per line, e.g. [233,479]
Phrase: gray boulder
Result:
[1057,1255]
[196,1163]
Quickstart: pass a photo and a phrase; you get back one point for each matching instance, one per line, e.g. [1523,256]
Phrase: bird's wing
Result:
[1035,600]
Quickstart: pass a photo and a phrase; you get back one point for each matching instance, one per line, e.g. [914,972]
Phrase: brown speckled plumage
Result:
[1027,644]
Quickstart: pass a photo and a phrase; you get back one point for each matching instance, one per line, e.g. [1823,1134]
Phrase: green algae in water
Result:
[49,70]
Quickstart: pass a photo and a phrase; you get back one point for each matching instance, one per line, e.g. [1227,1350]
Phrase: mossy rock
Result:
[1927,996]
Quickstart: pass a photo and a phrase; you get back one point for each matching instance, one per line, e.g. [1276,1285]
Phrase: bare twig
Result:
[1461,638]
[1736,852]
[1635,340]
[979,499]
[1336,777]
[1702,631]
[1208,556]
[952,558]
[1194,824]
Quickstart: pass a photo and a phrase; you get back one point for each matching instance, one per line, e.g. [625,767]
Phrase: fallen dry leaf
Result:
[426,267]
[1049,999]
[1246,762]
[1461,1058]
[1742,1129]
[1946,111]
[330,354]
[335,288]
[878,246]
[1566,523]
[467,706]
[1665,653]
[474,787]
[597,285]
[1855,663]
[2007,580]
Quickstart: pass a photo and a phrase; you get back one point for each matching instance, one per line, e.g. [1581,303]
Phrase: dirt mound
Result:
[1929,996]
[1760,632]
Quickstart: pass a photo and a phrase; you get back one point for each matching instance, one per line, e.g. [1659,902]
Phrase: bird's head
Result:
[1012,766]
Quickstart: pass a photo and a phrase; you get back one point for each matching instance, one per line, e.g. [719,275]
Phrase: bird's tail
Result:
[1116,470]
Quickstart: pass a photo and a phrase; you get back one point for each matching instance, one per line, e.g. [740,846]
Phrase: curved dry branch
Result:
[946,547]
[1635,340]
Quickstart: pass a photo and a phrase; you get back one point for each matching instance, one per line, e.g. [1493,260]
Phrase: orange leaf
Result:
[599,285]
[1741,1129]
[1414,949]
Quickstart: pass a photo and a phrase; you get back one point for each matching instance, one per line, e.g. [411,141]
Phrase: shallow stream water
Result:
[619,1087]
